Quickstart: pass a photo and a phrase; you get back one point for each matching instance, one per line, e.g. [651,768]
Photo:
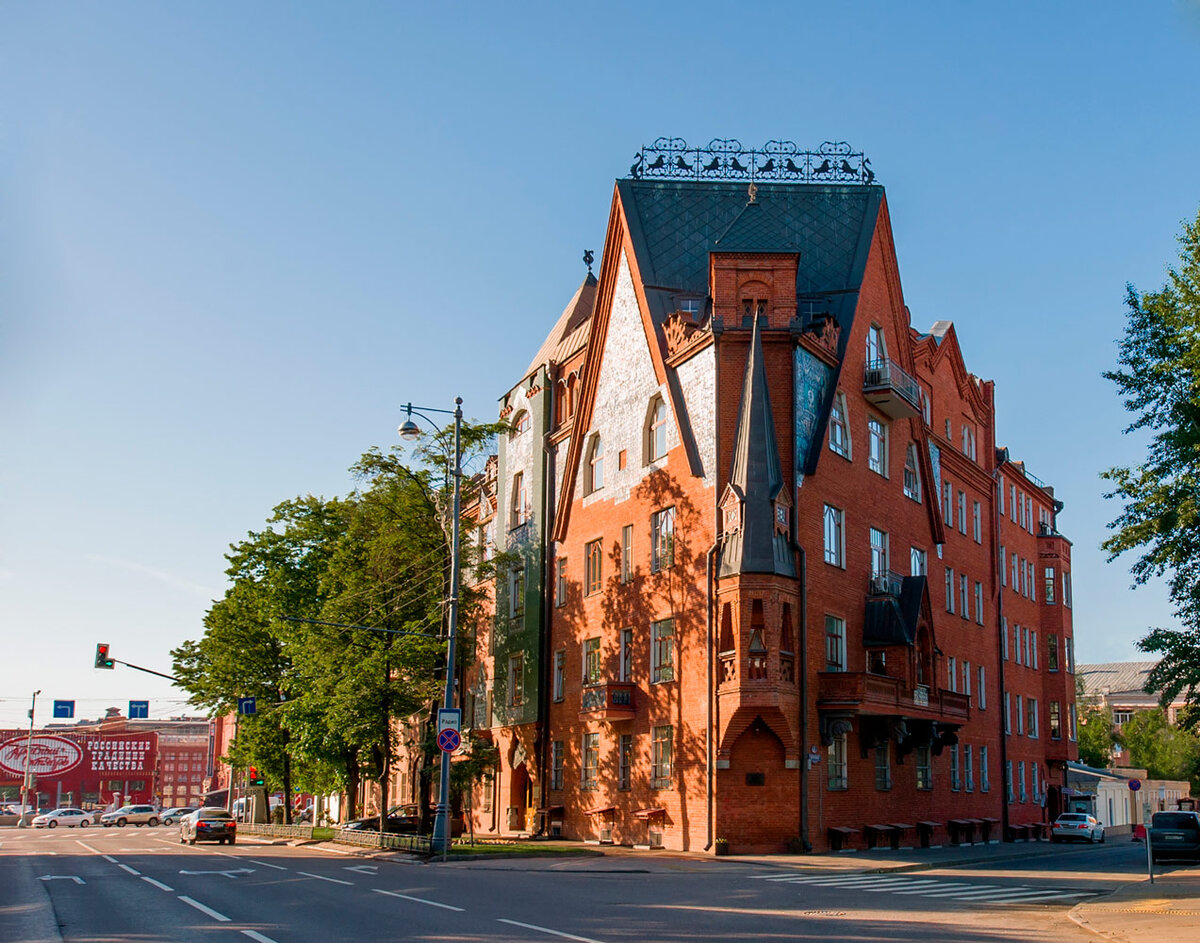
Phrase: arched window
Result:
[912,478]
[595,465]
[839,428]
[519,508]
[520,423]
[656,429]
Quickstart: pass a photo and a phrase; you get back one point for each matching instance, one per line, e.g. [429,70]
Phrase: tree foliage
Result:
[1164,750]
[1096,737]
[1159,381]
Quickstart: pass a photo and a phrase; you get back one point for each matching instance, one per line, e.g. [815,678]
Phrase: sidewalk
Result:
[1167,911]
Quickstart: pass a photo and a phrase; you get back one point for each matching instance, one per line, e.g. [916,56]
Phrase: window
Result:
[924,768]
[948,503]
[1067,588]
[955,779]
[963,598]
[1017,657]
[1007,713]
[979,602]
[1021,780]
[1033,649]
[969,767]
[839,428]
[877,446]
[984,783]
[1008,780]
[912,478]
[1020,701]
[594,556]
[662,535]
[519,512]
[1003,565]
[952,673]
[1012,503]
[962,512]
[1050,581]
[556,765]
[949,589]
[966,678]
[1074,721]
[838,778]
[834,536]
[520,424]
[1032,715]
[516,680]
[916,562]
[662,641]
[656,430]
[560,670]
[1016,579]
[1069,645]
[516,592]
[1121,717]
[560,582]
[1033,768]
[595,465]
[835,644]
[981,689]
[624,760]
[1056,720]
[626,553]
[661,757]
[977,521]
[591,661]
[968,441]
[876,348]
[879,552]
[883,766]
[588,779]
[626,654]
[1032,581]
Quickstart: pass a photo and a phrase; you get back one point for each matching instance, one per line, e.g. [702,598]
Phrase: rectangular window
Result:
[924,768]
[1004,637]
[962,512]
[835,644]
[955,781]
[624,761]
[516,680]
[1017,637]
[1037,786]
[979,602]
[519,512]
[952,673]
[912,478]
[662,535]
[977,521]
[966,678]
[1012,502]
[560,582]
[1003,566]
[839,430]
[560,671]
[1020,520]
[516,592]
[981,690]
[1020,701]
[1001,496]
[626,654]
[984,783]
[1008,781]
[837,763]
[589,775]
[1055,720]
[1021,781]
[1033,649]
[948,503]
[556,765]
[662,640]
[1052,652]
[969,767]
[626,553]
[1007,713]
[949,589]
[1071,734]
[834,536]
[1050,581]
[879,552]
[1032,581]
[916,562]
[877,446]
[883,766]
[1016,580]
[1067,588]
[1069,644]
[591,661]
[965,612]
[594,555]
[662,770]
[1032,713]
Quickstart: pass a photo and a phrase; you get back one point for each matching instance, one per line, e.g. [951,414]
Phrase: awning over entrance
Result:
[649,813]
[606,810]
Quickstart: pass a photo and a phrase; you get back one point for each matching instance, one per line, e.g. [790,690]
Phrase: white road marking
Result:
[204,910]
[109,858]
[565,936]
[321,877]
[159,884]
[924,891]
[265,865]
[362,868]
[255,935]
[1047,895]
[419,900]
[87,846]
[125,867]
[63,877]
[229,874]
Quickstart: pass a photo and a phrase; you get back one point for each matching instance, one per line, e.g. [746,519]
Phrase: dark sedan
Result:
[1175,835]
[402,819]
[210,824]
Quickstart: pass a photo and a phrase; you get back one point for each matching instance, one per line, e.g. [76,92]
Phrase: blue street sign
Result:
[64,709]
[1135,785]
[247,705]
[449,740]
[139,710]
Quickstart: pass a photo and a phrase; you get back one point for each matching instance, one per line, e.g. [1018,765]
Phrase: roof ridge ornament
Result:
[776,162]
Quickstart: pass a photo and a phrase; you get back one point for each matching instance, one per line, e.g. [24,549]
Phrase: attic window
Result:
[520,423]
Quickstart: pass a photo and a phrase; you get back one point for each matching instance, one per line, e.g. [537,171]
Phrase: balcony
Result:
[886,584]
[891,389]
[609,700]
[862,692]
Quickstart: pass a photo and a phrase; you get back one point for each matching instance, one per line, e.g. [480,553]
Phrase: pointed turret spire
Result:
[760,541]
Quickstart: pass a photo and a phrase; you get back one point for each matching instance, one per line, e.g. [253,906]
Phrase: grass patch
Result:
[322,834]
[517,848]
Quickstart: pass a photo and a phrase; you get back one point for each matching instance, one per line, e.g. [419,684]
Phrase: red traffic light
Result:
[102,659]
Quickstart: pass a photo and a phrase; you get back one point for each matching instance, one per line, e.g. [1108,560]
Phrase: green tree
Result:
[1159,380]
[1096,737]
[1164,750]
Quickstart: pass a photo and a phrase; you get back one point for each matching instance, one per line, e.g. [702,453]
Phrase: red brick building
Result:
[778,586]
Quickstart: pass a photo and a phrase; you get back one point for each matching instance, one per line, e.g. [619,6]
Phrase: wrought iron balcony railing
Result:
[891,388]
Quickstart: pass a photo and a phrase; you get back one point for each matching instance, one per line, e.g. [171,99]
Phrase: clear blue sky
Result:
[235,238]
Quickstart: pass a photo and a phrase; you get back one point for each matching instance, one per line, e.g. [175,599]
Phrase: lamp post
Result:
[410,431]
[28,750]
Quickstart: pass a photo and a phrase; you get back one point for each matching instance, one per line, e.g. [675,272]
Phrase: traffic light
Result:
[102,659]
[255,778]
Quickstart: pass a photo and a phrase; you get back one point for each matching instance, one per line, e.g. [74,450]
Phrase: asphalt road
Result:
[140,885]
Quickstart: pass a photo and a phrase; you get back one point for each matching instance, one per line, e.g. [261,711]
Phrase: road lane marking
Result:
[125,867]
[159,884]
[420,900]
[370,869]
[1047,895]
[62,877]
[870,883]
[109,858]
[87,846]
[265,865]
[565,936]
[255,935]
[321,877]
[204,910]
[924,891]
[967,892]
[229,874]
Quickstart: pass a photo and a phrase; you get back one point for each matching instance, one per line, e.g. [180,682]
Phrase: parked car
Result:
[1175,835]
[1076,826]
[173,816]
[131,815]
[208,824]
[70,818]
[402,819]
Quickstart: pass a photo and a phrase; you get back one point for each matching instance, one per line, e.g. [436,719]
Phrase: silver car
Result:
[69,818]
[1076,826]
[131,815]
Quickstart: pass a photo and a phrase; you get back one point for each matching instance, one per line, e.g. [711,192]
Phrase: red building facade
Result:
[794,595]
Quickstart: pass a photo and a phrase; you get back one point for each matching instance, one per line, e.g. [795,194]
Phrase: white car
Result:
[1076,826]
[131,815]
[70,818]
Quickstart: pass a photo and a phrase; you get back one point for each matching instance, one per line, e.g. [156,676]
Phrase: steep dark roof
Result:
[675,224]
[757,477]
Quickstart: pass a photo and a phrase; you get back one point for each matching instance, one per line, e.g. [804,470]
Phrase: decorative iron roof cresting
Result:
[777,161]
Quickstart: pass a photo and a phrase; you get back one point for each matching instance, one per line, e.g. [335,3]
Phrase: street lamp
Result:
[410,431]
[28,750]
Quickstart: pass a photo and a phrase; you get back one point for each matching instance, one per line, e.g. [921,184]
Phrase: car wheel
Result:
[153,822]
[84,823]
[1055,839]
[52,824]
[121,822]
[1101,838]
[233,841]
[191,841]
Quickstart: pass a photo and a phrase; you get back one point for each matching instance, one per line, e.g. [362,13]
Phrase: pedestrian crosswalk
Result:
[916,886]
